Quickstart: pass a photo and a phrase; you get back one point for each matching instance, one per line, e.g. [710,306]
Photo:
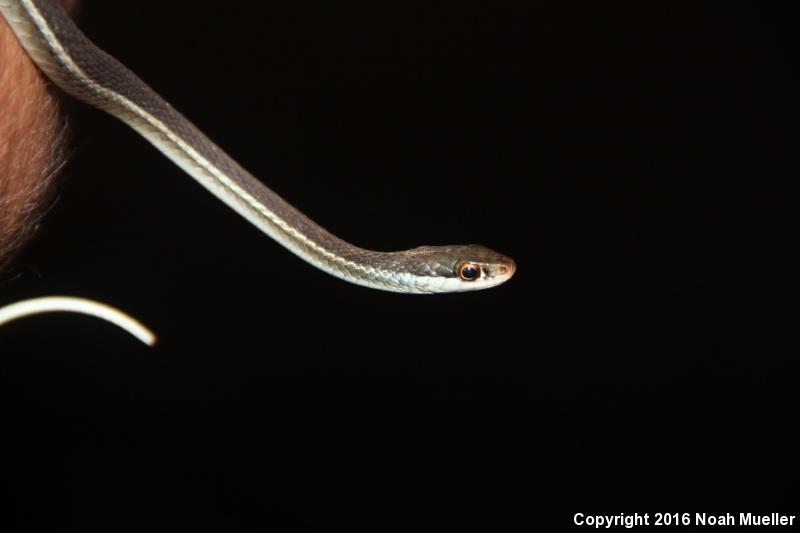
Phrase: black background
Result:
[634,158]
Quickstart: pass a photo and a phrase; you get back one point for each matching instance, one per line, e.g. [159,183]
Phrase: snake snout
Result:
[507,269]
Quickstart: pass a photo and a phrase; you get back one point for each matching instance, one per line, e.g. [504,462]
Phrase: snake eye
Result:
[469,271]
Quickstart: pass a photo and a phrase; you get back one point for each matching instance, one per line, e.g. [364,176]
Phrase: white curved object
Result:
[69,304]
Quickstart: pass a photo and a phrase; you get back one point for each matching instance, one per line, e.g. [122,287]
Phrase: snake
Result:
[79,68]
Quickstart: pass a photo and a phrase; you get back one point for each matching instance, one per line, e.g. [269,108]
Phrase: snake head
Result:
[461,267]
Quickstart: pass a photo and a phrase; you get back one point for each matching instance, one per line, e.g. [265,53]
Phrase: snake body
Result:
[78,67]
